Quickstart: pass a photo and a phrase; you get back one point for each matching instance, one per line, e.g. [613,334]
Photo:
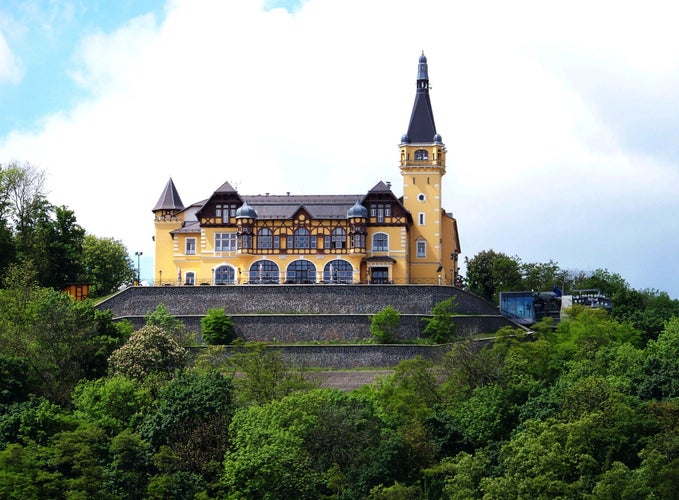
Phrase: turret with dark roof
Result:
[170,199]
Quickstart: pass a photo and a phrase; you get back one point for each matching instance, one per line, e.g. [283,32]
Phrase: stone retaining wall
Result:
[329,327]
[303,313]
[349,356]
[292,299]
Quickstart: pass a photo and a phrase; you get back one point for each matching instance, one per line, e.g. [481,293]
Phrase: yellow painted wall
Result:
[421,195]
[422,198]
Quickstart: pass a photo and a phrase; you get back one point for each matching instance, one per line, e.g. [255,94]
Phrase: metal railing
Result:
[199,281]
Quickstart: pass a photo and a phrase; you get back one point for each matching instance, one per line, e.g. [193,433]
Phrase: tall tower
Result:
[423,164]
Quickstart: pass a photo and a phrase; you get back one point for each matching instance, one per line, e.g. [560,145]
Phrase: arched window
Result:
[264,271]
[301,271]
[338,271]
[190,278]
[225,275]
[265,239]
[421,154]
[380,242]
[301,238]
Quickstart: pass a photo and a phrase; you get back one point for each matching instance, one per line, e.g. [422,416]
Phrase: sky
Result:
[561,120]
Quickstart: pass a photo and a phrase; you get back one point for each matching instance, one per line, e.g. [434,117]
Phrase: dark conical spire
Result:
[170,199]
[422,127]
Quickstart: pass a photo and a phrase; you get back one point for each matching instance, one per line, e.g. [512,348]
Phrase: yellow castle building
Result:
[374,237]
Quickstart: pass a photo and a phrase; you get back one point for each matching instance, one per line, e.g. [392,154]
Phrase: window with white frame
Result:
[225,242]
[339,238]
[420,218]
[302,238]
[421,250]
[190,246]
[265,238]
[380,242]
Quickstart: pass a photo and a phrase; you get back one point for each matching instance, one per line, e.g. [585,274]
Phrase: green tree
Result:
[106,265]
[80,456]
[113,403]
[456,477]
[59,338]
[610,284]
[441,327]
[127,472]
[261,375]
[14,385]
[490,272]
[299,446]
[217,327]
[162,318]
[542,276]
[384,324]
[7,251]
[396,491]
[647,310]
[150,350]
[22,191]
[191,419]
[34,421]
[60,240]
[52,240]
[661,367]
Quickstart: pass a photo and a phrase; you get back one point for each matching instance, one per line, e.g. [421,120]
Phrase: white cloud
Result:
[315,102]
[10,65]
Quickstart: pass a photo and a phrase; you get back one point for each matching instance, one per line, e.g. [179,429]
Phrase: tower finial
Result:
[422,72]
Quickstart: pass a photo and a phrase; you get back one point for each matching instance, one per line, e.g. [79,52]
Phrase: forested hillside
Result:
[90,409]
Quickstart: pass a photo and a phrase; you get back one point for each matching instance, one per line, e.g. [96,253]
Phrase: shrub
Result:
[217,327]
[440,327]
[161,317]
[149,350]
[384,324]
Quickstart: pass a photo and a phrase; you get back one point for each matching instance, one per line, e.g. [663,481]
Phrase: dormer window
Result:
[421,154]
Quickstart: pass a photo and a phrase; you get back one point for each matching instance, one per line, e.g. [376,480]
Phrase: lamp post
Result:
[453,278]
[138,254]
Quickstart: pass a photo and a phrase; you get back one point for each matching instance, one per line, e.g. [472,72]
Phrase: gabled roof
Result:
[226,188]
[223,193]
[170,199]
[380,187]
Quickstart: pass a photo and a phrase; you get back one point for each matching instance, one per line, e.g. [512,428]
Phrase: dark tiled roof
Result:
[318,206]
[189,227]
[377,258]
[225,188]
[170,199]
[380,187]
